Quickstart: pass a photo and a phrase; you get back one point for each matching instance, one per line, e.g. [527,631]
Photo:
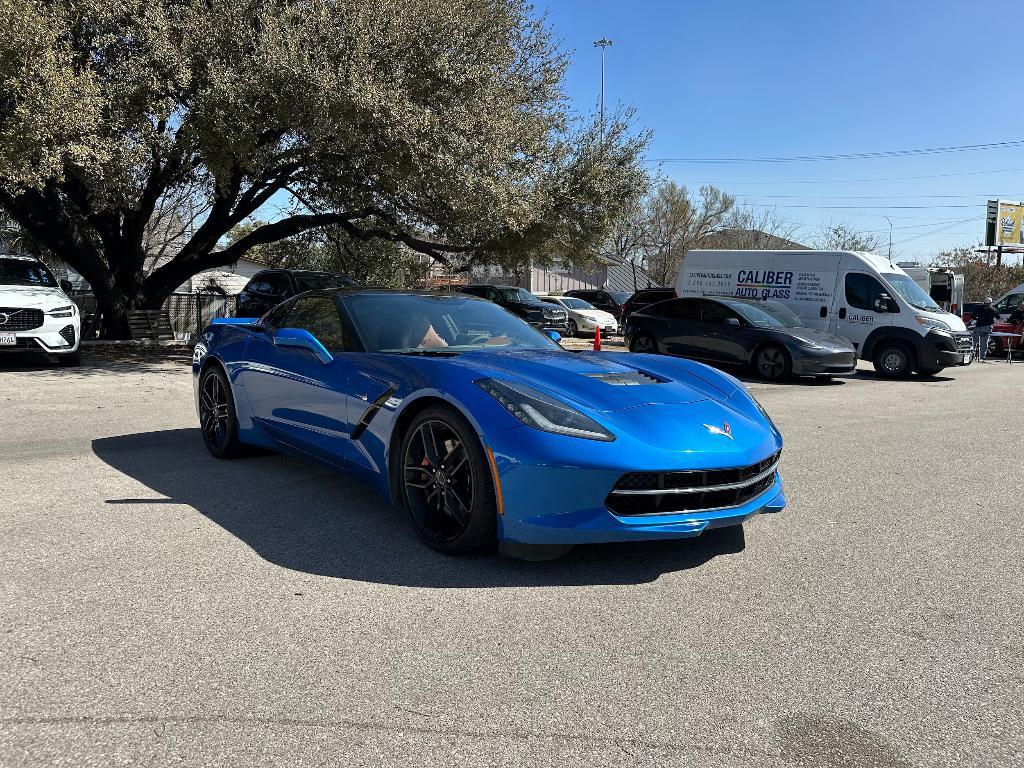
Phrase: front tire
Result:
[217,418]
[446,484]
[893,361]
[772,363]
[571,330]
[644,343]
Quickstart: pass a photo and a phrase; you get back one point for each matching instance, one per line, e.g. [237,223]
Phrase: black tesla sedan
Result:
[764,335]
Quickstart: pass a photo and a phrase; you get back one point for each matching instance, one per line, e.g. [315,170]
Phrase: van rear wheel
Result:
[893,361]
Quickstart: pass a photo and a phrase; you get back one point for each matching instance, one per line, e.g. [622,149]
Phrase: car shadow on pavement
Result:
[301,516]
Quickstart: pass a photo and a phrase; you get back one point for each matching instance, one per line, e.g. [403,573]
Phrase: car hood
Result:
[32,297]
[596,314]
[825,339]
[593,380]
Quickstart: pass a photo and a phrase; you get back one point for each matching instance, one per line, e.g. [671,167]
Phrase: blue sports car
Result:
[483,428]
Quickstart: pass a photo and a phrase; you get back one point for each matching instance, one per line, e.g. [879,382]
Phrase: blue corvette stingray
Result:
[483,428]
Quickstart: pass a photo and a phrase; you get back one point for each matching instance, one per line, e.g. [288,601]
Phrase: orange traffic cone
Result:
[597,339]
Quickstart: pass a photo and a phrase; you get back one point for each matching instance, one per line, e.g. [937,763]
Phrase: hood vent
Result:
[625,378]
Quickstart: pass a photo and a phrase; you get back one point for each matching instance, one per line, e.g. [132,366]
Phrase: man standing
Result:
[983,321]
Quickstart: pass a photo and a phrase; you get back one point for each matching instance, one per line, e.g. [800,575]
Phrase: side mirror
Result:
[554,335]
[733,321]
[302,339]
[882,303]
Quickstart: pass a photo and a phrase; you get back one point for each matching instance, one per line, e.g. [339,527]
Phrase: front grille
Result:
[964,342]
[18,319]
[68,334]
[653,493]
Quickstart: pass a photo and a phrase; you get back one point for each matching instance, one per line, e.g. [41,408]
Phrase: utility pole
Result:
[603,43]
[890,239]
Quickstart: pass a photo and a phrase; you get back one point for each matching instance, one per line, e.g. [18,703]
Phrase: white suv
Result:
[35,313]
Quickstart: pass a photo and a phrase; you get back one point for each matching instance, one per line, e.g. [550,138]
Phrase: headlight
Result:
[537,410]
[67,311]
[761,409]
[937,325]
[809,343]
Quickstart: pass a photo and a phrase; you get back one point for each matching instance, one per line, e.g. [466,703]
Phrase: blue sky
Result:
[749,79]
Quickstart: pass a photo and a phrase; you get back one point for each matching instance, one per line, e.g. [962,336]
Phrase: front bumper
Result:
[559,496]
[942,350]
[586,324]
[825,361]
[56,336]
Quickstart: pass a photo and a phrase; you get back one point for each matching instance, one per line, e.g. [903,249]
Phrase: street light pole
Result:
[603,43]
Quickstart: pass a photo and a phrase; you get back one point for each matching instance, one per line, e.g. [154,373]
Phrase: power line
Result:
[866,181]
[940,230]
[848,156]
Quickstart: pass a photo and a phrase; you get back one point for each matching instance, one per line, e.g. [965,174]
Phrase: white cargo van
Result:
[862,296]
[945,286]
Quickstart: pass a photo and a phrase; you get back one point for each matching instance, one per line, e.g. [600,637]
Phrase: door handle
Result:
[823,312]
[842,313]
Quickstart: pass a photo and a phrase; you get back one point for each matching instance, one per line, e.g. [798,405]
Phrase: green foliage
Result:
[982,278]
[437,124]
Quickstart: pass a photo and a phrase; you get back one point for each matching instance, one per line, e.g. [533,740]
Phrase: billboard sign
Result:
[1004,223]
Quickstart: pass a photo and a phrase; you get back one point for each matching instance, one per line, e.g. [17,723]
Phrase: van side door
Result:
[855,316]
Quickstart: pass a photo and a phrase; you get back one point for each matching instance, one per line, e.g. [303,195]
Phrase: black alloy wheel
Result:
[217,418]
[447,485]
[644,343]
[571,330]
[772,363]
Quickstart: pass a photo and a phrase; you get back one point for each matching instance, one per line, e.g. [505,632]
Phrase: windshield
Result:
[620,297]
[574,303]
[521,295]
[318,281]
[423,324]
[24,272]
[911,292]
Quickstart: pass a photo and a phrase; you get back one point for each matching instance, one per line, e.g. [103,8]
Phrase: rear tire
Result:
[772,363]
[445,483]
[571,330]
[217,418]
[644,343]
[893,360]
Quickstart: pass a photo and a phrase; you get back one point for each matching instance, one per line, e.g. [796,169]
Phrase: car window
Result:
[715,313]
[24,272]
[258,285]
[679,309]
[573,303]
[318,315]
[277,284]
[1010,303]
[862,290]
[618,297]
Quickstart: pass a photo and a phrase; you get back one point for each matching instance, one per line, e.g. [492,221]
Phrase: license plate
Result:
[968,358]
[8,339]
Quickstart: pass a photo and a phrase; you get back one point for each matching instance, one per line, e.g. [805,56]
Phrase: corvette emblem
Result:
[725,430]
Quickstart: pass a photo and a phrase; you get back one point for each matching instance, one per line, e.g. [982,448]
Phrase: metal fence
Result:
[189,313]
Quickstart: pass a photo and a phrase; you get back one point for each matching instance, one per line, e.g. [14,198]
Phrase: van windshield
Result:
[911,292]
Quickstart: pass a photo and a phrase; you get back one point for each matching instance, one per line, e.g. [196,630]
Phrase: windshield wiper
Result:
[427,352]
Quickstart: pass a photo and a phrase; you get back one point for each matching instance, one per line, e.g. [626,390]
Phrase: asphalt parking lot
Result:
[159,607]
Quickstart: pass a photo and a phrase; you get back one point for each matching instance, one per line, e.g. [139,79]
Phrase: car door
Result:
[724,335]
[298,399]
[676,325]
[856,316]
